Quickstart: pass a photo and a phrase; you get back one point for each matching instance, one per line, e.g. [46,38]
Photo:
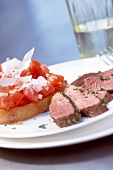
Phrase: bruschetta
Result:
[26,88]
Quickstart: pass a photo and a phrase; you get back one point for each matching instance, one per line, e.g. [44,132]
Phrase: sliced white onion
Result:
[37,88]
[27,58]
[39,83]
[40,96]
[15,66]
[8,81]
[12,81]
[25,79]
[10,65]
[22,86]
[36,84]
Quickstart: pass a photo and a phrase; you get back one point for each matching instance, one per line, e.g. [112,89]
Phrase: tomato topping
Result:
[34,66]
[30,94]
[17,97]
[44,71]
[55,79]
[48,90]
[33,69]
[4,90]
[6,102]
[24,101]
[25,72]
[61,78]
[0,67]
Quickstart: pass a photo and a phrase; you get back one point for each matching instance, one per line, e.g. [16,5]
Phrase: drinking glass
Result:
[92,22]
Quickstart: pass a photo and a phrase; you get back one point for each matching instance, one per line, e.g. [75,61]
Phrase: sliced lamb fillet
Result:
[88,103]
[99,83]
[63,111]
[80,80]
[106,73]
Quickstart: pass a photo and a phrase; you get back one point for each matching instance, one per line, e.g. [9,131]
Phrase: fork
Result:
[106,56]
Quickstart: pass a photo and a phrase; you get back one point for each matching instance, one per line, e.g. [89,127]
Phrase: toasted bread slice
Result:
[12,115]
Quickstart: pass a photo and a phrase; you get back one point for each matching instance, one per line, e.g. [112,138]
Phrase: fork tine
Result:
[107,56]
[111,50]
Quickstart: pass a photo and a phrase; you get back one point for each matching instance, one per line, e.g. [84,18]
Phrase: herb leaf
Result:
[43,126]
[104,77]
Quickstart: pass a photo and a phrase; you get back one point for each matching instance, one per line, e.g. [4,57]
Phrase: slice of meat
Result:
[99,83]
[80,80]
[89,103]
[66,108]
[63,111]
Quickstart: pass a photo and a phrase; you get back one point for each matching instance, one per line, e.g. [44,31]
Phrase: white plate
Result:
[87,133]
[30,128]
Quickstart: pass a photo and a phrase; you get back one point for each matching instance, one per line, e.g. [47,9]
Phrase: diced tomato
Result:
[25,72]
[17,97]
[35,69]
[34,65]
[24,101]
[44,71]
[0,67]
[55,79]
[30,94]
[59,87]
[61,78]
[48,90]
[3,90]
[6,102]
[6,89]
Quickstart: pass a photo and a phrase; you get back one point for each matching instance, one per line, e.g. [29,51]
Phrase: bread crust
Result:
[16,114]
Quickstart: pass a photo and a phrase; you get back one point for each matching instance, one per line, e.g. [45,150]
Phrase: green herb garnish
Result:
[104,77]
[43,126]
[104,103]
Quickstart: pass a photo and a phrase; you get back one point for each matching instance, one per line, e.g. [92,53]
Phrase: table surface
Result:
[46,25]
